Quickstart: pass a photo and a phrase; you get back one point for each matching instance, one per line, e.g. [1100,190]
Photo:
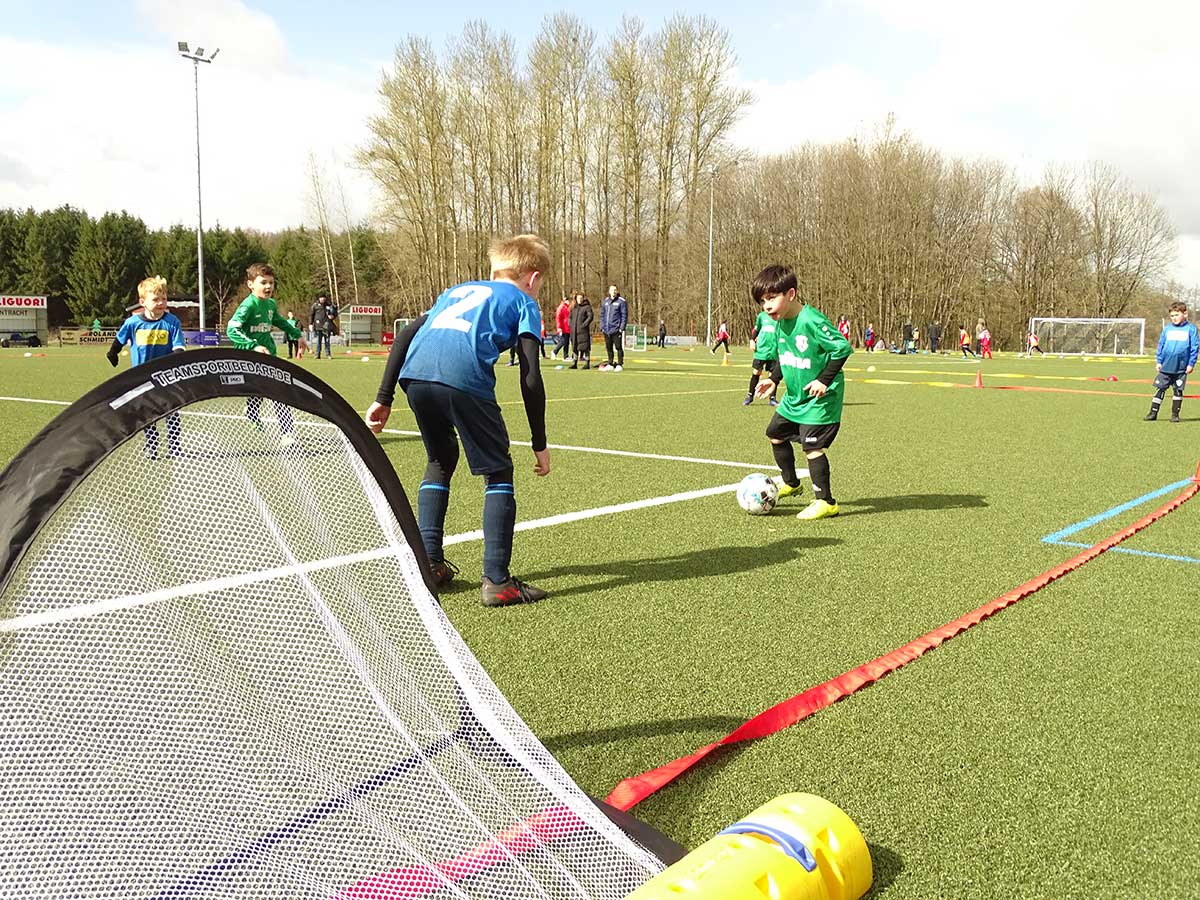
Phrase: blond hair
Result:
[515,256]
[155,284]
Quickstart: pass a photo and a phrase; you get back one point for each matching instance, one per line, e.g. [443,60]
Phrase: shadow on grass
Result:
[866,505]
[719,724]
[612,574]
[886,865]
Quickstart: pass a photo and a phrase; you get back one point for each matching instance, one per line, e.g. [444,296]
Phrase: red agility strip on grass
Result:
[420,881]
[1053,390]
[631,791]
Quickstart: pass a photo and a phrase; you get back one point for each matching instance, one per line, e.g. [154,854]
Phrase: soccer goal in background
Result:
[635,337]
[1080,336]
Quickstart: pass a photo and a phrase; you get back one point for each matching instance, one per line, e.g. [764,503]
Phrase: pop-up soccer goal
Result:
[224,674]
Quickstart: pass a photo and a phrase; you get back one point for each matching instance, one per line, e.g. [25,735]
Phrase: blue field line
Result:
[1186,559]
[1057,537]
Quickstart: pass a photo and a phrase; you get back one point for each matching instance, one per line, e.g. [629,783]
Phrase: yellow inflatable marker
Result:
[797,847]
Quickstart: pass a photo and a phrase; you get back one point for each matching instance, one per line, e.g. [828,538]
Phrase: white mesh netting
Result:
[221,675]
[1076,337]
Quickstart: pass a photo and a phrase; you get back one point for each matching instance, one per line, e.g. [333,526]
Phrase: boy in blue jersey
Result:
[444,362]
[1178,347]
[151,332]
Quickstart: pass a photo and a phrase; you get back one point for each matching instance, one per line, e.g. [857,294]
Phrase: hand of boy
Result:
[259,348]
[816,388]
[541,465]
[377,416]
[301,348]
[764,387]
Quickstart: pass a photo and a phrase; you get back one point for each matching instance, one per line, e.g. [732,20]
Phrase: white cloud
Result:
[113,127]
[1031,83]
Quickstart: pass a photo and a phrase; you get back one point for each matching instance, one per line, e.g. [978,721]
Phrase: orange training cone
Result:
[979,378]
[725,360]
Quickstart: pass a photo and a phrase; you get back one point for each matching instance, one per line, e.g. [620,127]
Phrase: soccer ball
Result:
[757,494]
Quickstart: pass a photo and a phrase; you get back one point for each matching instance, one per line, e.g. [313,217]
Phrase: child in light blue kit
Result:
[152,332]
[1178,347]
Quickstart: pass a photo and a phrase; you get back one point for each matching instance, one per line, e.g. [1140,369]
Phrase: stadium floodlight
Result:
[197,58]
[712,177]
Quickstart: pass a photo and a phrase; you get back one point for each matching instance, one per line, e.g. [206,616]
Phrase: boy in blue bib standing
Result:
[445,362]
[152,332]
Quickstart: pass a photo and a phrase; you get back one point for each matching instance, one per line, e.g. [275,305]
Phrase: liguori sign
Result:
[24,303]
[366,310]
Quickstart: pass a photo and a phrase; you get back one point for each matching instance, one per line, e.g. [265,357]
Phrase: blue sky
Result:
[96,108]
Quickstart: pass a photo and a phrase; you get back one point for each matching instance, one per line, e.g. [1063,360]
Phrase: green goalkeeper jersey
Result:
[764,333]
[804,346]
[251,325]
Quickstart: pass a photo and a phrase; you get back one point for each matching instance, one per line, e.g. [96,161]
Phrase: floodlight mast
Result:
[197,58]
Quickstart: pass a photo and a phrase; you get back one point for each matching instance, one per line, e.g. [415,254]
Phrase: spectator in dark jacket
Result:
[321,321]
[614,312]
[582,317]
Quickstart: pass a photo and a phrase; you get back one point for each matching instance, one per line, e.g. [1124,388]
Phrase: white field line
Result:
[133,601]
[629,453]
[564,518]
[570,447]
[212,585]
[32,400]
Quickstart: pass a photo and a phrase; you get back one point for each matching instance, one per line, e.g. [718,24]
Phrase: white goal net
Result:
[635,337]
[220,679]
[1094,337]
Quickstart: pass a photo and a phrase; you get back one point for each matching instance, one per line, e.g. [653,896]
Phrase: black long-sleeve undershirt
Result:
[825,376]
[395,361]
[533,389]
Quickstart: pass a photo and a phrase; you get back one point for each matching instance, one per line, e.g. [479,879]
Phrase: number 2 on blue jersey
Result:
[452,316]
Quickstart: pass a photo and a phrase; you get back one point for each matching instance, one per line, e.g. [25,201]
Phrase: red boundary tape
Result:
[631,791]
[420,881]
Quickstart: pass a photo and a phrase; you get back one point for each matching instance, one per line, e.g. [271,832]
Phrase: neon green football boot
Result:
[786,490]
[818,509]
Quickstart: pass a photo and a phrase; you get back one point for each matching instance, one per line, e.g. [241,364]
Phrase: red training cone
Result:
[979,378]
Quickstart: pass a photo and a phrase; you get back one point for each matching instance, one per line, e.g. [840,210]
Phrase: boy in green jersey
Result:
[250,329]
[807,353]
[764,333]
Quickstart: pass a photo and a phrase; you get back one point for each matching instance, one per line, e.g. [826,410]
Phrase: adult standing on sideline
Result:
[582,317]
[562,322]
[662,334]
[935,336]
[321,321]
[614,312]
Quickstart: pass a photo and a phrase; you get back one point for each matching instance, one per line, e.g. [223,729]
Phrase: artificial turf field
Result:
[1048,752]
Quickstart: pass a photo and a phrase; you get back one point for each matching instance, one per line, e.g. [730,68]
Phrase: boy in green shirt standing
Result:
[763,335]
[807,353]
[250,329]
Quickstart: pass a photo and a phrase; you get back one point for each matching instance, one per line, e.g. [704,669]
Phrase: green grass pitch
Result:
[1051,752]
